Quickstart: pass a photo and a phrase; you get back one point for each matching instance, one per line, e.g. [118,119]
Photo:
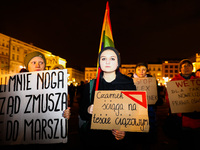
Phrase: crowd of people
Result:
[112,79]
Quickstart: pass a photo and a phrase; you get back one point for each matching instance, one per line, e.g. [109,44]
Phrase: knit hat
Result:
[58,66]
[183,62]
[114,50]
[29,56]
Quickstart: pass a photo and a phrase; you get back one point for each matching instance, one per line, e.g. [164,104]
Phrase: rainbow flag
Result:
[106,39]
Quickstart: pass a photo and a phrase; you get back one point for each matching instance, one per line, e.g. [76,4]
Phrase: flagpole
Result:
[106,23]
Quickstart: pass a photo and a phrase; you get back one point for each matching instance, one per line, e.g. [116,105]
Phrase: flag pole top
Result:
[107,5]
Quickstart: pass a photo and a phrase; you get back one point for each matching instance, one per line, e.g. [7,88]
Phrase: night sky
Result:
[143,30]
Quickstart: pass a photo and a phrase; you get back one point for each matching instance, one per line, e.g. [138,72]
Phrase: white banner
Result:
[31,107]
[150,86]
[184,95]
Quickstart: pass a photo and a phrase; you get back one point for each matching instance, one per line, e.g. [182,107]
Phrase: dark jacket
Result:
[121,82]
[103,137]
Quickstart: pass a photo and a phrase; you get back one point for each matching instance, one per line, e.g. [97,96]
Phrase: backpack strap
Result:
[91,88]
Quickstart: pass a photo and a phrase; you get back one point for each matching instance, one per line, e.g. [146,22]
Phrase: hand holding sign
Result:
[66,113]
[119,135]
[90,109]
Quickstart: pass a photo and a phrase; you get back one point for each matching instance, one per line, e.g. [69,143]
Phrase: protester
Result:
[110,79]
[149,138]
[161,94]
[66,113]
[80,93]
[141,71]
[23,70]
[189,122]
[58,66]
[36,61]
[197,73]
[71,92]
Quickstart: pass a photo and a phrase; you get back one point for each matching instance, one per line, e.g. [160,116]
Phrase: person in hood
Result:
[110,79]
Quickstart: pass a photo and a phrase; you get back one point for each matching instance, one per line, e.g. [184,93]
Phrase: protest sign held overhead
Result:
[149,85]
[121,110]
[184,95]
[31,107]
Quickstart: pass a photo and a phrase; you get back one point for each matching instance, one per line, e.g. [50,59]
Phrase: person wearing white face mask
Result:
[110,79]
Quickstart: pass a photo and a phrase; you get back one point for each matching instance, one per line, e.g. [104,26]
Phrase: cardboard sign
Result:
[150,86]
[31,107]
[121,110]
[184,95]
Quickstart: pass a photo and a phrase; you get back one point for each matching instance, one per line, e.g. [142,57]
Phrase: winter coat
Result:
[104,137]
[121,82]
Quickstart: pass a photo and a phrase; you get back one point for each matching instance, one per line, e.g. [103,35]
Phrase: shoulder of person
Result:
[194,76]
[177,77]
[90,84]
[148,75]
[124,77]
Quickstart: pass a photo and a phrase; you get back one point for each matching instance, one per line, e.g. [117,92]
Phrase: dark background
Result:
[143,30]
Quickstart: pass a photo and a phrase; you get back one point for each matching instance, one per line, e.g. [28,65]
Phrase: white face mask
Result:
[108,61]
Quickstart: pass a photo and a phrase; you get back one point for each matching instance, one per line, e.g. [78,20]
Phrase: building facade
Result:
[162,72]
[196,64]
[170,69]
[90,73]
[13,51]
[75,76]
[127,69]
[156,71]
